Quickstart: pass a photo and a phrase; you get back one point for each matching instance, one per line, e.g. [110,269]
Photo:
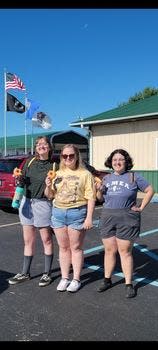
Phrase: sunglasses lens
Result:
[70,156]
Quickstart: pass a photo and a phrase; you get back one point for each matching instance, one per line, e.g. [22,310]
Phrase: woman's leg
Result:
[125,251]
[29,236]
[110,246]
[110,251]
[47,241]
[46,237]
[76,239]
[64,250]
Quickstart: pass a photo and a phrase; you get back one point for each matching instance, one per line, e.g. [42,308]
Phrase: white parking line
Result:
[120,274]
[14,223]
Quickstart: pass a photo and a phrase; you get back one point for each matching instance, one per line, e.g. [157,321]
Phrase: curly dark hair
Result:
[125,154]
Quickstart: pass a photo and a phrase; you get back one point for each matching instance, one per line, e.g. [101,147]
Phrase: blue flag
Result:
[31,108]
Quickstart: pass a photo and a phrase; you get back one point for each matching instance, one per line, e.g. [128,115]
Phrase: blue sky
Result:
[76,62]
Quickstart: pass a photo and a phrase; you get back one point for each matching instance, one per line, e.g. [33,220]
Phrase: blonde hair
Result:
[79,163]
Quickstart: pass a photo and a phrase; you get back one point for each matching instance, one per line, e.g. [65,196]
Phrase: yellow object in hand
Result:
[51,174]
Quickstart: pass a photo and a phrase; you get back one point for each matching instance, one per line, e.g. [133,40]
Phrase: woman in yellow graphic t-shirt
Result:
[74,196]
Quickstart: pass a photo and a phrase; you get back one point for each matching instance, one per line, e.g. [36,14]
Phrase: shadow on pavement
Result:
[145,267]
[4,276]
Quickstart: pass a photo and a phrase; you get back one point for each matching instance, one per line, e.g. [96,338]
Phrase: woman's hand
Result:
[87,224]
[97,183]
[48,181]
[135,208]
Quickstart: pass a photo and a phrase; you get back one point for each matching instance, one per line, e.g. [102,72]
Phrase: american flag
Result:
[13,82]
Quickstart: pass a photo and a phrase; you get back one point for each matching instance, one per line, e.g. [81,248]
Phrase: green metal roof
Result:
[64,137]
[19,140]
[142,108]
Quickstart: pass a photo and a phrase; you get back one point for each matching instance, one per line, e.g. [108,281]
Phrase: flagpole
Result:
[5,118]
[25,125]
[32,138]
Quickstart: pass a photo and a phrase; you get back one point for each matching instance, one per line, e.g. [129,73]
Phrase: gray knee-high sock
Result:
[48,263]
[26,264]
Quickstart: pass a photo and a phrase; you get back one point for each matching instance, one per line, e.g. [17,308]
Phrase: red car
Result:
[7,181]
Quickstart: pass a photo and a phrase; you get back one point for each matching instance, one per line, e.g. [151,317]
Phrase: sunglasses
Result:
[70,156]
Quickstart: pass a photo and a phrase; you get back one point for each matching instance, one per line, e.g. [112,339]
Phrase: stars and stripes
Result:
[13,82]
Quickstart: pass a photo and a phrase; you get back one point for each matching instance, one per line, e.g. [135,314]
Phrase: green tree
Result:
[147,92]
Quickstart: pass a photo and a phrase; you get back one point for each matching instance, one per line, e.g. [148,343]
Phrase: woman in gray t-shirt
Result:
[120,218]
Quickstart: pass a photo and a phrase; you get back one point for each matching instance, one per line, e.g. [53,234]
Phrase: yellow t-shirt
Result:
[73,188]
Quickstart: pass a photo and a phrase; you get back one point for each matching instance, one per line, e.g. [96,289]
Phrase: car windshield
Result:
[8,165]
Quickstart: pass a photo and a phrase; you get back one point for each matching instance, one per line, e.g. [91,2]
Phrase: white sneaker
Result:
[74,286]
[63,284]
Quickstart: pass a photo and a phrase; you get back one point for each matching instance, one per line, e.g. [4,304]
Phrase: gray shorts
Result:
[122,223]
[36,212]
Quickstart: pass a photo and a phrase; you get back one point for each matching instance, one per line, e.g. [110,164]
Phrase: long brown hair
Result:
[46,139]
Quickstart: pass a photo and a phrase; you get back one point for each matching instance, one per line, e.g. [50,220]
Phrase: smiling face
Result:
[69,157]
[118,163]
[42,148]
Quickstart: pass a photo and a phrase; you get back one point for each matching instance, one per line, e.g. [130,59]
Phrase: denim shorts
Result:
[73,217]
[36,212]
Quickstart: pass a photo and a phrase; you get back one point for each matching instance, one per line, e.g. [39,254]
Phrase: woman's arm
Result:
[88,223]
[149,192]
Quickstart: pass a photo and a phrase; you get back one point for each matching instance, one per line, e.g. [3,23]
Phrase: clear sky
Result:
[76,62]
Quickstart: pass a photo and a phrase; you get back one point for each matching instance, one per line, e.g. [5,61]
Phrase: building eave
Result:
[112,120]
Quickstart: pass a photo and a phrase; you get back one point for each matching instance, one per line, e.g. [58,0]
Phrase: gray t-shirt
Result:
[120,191]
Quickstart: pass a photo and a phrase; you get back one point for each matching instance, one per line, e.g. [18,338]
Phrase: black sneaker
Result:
[19,278]
[104,286]
[45,280]
[130,291]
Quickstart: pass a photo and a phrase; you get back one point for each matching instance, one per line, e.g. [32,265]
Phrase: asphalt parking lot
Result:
[31,313]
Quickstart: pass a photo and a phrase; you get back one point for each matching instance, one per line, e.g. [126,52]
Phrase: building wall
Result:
[139,138]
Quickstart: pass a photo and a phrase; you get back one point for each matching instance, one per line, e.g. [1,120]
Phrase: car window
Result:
[7,166]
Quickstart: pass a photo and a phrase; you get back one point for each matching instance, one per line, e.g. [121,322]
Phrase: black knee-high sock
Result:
[48,263]
[27,264]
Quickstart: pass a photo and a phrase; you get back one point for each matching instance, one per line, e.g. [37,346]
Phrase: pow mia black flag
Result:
[14,105]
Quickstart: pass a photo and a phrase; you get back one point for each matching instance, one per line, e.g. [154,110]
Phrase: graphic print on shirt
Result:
[117,186]
[67,189]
